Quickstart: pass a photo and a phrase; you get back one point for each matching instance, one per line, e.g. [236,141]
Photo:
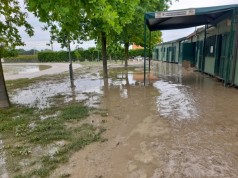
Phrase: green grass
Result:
[23,130]
[74,112]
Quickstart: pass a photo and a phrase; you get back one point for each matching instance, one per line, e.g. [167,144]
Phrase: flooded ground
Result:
[182,124]
[23,69]
[14,71]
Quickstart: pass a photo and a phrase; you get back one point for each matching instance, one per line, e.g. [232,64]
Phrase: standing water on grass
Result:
[182,124]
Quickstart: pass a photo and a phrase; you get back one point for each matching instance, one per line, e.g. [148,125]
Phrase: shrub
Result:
[22,58]
[58,56]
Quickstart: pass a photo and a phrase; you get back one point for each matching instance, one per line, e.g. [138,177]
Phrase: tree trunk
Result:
[71,73]
[4,99]
[104,54]
[126,45]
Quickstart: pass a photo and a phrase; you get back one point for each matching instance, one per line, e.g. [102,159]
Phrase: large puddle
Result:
[182,124]
[23,69]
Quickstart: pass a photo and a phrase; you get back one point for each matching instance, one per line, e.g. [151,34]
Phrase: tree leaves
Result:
[11,18]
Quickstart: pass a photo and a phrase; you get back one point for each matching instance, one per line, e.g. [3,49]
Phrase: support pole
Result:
[71,74]
[235,51]
[204,48]
[230,48]
[144,52]
[149,51]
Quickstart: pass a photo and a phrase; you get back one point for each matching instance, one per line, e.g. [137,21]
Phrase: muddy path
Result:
[182,124]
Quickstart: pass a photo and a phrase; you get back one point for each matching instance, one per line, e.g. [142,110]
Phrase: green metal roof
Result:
[185,18]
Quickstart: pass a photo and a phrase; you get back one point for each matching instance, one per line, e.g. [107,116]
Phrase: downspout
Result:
[144,50]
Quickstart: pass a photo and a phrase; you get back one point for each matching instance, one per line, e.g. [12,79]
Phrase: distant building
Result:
[211,49]
[136,47]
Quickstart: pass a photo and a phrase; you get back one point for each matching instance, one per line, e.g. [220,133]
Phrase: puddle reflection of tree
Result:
[126,86]
[73,93]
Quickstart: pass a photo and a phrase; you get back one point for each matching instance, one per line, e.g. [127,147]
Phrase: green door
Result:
[157,54]
[222,56]
[173,53]
[188,52]
[200,55]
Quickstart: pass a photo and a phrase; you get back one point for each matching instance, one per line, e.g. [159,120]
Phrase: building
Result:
[212,49]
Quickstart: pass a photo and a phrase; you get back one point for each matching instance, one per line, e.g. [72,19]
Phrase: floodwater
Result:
[23,69]
[182,124]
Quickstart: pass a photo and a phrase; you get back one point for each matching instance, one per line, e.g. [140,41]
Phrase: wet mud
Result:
[181,124]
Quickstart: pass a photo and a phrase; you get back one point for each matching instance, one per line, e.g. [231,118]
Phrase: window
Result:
[210,46]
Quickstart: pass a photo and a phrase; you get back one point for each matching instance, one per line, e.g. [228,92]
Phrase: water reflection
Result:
[3,170]
[38,95]
[168,72]
[175,101]
[23,69]
[180,91]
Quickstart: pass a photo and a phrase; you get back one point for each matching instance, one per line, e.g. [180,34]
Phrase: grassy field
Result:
[36,141]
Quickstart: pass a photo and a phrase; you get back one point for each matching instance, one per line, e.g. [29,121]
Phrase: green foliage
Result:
[65,23]
[59,56]
[74,112]
[133,32]
[91,54]
[22,58]
[136,52]
[11,19]
[26,52]
[115,51]
[9,52]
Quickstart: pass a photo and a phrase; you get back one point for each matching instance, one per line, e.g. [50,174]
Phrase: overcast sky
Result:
[41,38]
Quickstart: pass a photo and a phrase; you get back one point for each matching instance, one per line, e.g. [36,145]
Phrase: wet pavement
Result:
[182,124]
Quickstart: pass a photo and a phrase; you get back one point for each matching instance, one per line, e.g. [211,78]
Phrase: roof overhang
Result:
[186,18]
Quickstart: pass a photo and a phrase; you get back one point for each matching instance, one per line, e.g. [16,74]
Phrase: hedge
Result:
[21,58]
[59,56]
[136,52]
[81,55]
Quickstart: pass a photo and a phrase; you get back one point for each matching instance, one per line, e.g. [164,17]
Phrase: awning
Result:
[186,18]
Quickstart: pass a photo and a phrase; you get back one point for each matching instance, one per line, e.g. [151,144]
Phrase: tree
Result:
[66,21]
[107,19]
[133,32]
[11,17]
[95,18]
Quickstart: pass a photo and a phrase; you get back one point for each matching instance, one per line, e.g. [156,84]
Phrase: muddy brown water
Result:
[182,124]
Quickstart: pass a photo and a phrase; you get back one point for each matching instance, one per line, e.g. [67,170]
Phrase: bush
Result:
[90,54]
[22,58]
[136,52]
[59,56]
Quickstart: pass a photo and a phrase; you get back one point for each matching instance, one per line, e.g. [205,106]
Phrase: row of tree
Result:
[108,22]
[90,54]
